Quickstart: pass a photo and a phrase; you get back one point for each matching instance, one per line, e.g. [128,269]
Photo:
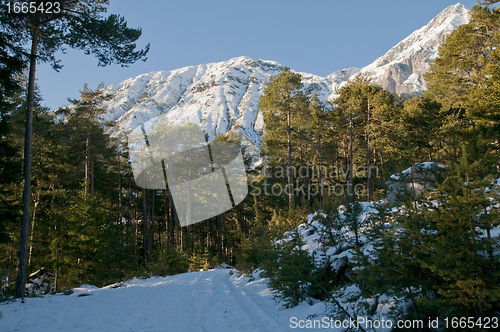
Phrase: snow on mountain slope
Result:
[224,97]
[400,70]
[219,96]
[198,301]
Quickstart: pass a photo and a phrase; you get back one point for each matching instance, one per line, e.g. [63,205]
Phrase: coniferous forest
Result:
[427,166]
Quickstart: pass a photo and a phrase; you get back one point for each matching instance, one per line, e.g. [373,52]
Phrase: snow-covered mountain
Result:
[224,97]
[400,69]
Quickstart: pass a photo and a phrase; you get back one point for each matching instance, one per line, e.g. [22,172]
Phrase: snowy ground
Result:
[198,301]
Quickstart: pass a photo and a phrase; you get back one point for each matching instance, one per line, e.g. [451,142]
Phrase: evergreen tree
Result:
[460,248]
[78,24]
[293,275]
[437,253]
[104,249]
[322,139]
[464,79]
[199,261]
[255,245]
[87,114]
[170,261]
[363,111]
[11,65]
[418,126]
[282,104]
[394,268]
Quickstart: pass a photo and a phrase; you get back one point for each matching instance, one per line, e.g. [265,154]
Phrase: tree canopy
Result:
[78,24]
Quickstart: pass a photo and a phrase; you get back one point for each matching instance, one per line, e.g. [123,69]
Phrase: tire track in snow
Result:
[225,311]
[266,322]
[198,301]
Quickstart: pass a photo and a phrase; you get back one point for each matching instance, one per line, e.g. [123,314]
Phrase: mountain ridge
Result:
[223,97]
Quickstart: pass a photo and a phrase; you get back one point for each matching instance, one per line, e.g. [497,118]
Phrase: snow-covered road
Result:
[198,301]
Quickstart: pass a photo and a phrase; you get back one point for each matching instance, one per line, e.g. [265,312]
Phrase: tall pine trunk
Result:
[368,179]
[147,230]
[22,256]
[151,221]
[320,175]
[291,199]
[120,215]
[351,159]
[87,158]
[32,235]
[177,235]
[219,235]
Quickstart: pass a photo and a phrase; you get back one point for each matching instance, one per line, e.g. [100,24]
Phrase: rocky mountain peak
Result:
[401,69]
[224,96]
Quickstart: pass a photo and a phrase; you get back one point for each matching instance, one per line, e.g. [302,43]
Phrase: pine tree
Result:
[87,113]
[437,252]
[79,24]
[169,261]
[293,275]
[11,65]
[395,265]
[199,261]
[363,110]
[255,245]
[464,79]
[282,104]
[322,140]
[460,248]
[59,152]
[418,126]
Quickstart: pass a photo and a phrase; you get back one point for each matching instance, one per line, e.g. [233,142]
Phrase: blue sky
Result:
[313,36]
